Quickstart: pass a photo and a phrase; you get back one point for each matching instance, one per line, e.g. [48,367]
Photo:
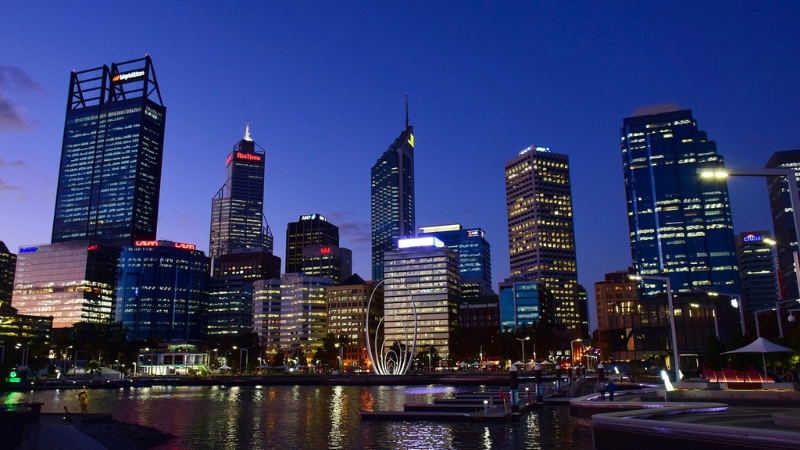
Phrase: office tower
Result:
[69,281]
[392,203]
[296,323]
[237,210]
[680,225]
[582,306]
[474,256]
[347,314]
[328,261]
[8,264]
[424,271]
[541,236]
[783,221]
[479,314]
[617,295]
[310,230]
[525,303]
[110,174]
[756,271]
[162,291]
[230,297]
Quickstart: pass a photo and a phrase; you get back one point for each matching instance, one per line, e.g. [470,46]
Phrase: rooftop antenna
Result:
[247,132]
[406,110]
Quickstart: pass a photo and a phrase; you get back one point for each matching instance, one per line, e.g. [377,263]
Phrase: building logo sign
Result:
[313,217]
[128,76]
[28,249]
[185,246]
[230,158]
[146,243]
[324,250]
[411,139]
[474,233]
[92,247]
[753,238]
[247,156]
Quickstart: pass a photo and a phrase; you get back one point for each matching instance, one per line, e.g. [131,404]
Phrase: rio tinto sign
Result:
[753,238]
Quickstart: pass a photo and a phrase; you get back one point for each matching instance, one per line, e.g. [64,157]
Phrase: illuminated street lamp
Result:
[522,340]
[713,311]
[671,316]
[736,302]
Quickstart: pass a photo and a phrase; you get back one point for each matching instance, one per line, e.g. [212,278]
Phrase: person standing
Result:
[601,387]
[83,400]
[611,388]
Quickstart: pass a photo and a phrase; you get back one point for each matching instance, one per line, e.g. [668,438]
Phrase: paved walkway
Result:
[52,433]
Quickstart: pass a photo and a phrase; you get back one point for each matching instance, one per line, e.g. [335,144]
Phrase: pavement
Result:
[53,433]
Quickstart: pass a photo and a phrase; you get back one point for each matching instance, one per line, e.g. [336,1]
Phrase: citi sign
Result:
[128,76]
[753,238]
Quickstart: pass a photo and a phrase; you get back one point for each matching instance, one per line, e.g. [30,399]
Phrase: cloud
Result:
[18,163]
[357,232]
[16,78]
[9,116]
[655,109]
[8,187]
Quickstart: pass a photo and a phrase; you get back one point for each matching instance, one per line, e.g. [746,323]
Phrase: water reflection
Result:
[318,417]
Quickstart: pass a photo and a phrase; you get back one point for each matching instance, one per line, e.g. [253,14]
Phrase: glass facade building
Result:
[392,199]
[8,264]
[541,232]
[162,291]
[230,302]
[680,225]
[757,271]
[783,221]
[310,230]
[474,256]
[426,272]
[69,281]
[525,303]
[347,314]
[237,210]
[328,261]
[110,173]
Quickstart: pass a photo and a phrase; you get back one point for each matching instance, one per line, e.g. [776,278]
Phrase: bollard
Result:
[537,370]
[601,375]
[486,406]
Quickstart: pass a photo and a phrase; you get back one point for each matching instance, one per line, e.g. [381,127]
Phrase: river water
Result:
[312,417]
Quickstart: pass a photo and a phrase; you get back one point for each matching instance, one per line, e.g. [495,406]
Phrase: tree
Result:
[714,359]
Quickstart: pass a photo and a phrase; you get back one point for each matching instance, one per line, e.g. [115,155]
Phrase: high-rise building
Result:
[267,314]
[525,303]
[70,281]
[328,261]
[425,272]
[783,221]
[474,256]
[230,297]
[162,291]
[617,295]
[237,210]
[310,230]
[541,234]
[680,225]
[110,174]
[8,264]
[392,203]
[347,314]
[757,271]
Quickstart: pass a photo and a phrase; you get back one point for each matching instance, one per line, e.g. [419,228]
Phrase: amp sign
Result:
[753,238]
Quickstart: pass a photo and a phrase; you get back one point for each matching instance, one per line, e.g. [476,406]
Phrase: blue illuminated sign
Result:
[28,249]
[753,238]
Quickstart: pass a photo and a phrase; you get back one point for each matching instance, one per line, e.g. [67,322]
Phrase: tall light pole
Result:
[714,312]
[246,357]
[522,340]
[671,317]
[738,304]
[794,196]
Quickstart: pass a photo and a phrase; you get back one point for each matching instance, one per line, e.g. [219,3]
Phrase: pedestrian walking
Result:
[611,388]
[601,387]
[83,400]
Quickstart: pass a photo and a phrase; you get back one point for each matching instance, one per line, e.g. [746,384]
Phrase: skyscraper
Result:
[680,225]
[474,256]
[310,230]
[783,220]
[110,173]
[8,264]
[237,210]
[392,203]
[756,271]
[541,235]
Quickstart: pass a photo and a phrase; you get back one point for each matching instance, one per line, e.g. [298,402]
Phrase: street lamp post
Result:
[522,340]
[739,306]
[714,312]
[671,317]
[246,357]
[777,310]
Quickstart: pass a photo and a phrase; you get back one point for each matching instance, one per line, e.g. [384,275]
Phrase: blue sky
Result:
[323,87]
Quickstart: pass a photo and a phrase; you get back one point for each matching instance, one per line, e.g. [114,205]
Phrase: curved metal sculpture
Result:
[391,362]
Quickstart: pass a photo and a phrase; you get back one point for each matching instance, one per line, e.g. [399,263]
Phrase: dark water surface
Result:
[312,417]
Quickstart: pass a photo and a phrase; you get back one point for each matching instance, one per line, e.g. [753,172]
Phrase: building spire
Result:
[247,132]
[406,110]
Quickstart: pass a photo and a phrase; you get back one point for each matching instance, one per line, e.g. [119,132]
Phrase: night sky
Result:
[323,87]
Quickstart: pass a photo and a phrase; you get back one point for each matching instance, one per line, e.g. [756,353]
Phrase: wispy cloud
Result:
[357,232]
[10,118]
[15,78]
[18,164]
[8,187]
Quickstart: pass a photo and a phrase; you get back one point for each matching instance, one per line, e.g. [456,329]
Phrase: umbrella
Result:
[546,363]
[489,363]
[476,364]
[463,364]
[224,367]
[762,346]
[518,363]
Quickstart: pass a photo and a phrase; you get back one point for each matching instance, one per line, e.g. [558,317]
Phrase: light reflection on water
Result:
[312,417]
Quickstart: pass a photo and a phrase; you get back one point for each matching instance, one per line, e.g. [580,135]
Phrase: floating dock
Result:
[475,406]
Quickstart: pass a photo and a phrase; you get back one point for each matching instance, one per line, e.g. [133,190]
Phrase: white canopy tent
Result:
[762,346]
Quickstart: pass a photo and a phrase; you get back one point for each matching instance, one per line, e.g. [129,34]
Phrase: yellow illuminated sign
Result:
[411,139]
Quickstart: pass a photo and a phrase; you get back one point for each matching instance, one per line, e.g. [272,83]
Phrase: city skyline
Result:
[484,82]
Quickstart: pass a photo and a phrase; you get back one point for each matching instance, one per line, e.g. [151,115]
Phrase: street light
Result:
[777,310]
[341,355]
[671,316]
[714,312]
[736,301]
[794,196]
[522,340]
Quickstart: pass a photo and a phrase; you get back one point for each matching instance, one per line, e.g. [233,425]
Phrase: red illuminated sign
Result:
[185,246]
[247,156]
[230,157]
[92,247]
[146,243]
[324,250]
